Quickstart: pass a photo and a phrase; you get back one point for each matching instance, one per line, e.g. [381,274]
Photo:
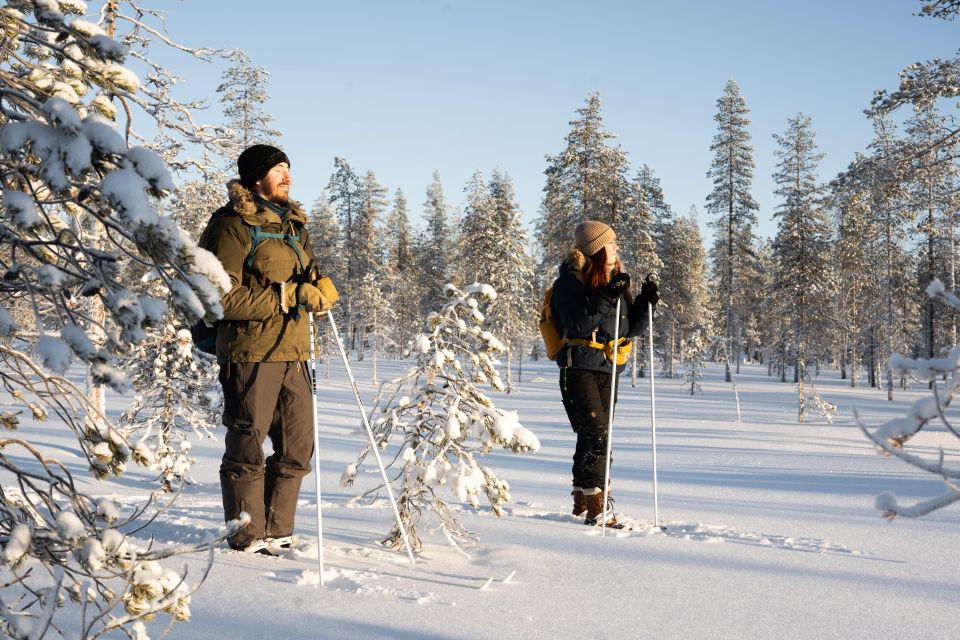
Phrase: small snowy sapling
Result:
[443,421]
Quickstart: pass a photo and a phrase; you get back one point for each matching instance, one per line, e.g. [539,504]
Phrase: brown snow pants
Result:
[264,399]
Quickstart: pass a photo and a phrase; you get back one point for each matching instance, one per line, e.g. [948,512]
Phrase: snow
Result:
[100,131]
[18,542]
[121,77]
[109,49]
[772,530]
[151,168]
[7,324]
[54,353]
[60,114]
[69,526]
[86,28]
[21,208]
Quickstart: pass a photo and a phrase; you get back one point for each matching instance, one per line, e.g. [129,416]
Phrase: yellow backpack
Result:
[551,337]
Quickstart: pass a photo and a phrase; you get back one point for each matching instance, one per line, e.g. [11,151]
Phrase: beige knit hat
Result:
[592,235]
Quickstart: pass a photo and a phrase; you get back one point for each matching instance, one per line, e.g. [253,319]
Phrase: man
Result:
[263,342]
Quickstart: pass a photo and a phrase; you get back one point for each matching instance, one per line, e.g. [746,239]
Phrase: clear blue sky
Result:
[406,87]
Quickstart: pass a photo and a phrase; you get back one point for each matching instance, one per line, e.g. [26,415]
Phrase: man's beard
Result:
[279,196]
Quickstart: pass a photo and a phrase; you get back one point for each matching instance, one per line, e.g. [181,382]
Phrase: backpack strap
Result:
[257,235]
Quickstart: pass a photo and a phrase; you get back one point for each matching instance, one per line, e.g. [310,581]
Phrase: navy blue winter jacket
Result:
[577,313]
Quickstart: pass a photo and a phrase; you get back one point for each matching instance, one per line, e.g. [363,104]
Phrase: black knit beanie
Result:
[256,161]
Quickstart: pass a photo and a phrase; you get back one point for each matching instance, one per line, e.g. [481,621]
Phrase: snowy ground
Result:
[771,531]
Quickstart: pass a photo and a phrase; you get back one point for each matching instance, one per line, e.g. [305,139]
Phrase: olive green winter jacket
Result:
[255,326]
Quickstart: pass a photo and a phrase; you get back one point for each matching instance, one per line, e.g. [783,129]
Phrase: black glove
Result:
[618,284]
[648,292]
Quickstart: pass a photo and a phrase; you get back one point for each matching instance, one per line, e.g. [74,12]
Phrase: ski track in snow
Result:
[698,532]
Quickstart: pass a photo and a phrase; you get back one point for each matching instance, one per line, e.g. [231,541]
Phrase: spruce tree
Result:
[438,244]
[803,282]
[931,184]
[733,207]
[479,251]
[343,190]
[683,284]
[371,273]
[244,93]
[405,286]
[513,312]
[585,181]
[443,421]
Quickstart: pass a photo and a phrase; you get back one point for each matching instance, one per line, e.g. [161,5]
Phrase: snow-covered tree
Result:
[855,239]
[693,350]
[479,251]
[179,394]
[921,86]
[683,287]
[367,266]
[445,422]
[343,190]
[325,241]
[931,186]
[244,93]
[438,244]
[513,313]
[403,286]
[79,205]
[733,206]
[585,181]
[804,280]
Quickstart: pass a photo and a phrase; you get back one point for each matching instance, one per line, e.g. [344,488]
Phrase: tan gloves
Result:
[316,297]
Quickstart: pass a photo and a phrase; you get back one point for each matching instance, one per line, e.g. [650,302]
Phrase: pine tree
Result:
[344,193]
[244,93]
[404,284]
[445,422]
[368,267]
[437,245]
[683,286]
[801,246]
[513,312]
[921,85]
[733,207]
[479,250]
[586,181]
[931,186]
[80,205]
[855,241]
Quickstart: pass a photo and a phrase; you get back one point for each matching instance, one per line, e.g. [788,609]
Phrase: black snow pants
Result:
[264,399]
[586,398]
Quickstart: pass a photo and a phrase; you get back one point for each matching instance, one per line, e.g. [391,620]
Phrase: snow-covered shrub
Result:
[178,395]
[893,436]
[444,422]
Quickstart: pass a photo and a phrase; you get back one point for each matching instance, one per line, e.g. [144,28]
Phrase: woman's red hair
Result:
[595,271]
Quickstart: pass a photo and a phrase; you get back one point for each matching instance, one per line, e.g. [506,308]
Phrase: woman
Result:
[584,306]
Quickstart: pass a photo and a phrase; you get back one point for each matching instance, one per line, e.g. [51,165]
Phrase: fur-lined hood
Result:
[575,262]
[241,201]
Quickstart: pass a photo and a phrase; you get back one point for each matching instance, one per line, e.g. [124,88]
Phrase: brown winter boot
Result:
[579,506]
[594,502]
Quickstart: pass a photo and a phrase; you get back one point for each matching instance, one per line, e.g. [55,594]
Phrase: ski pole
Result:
[373,443]
[613,396]
[653,417]
[316,440]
